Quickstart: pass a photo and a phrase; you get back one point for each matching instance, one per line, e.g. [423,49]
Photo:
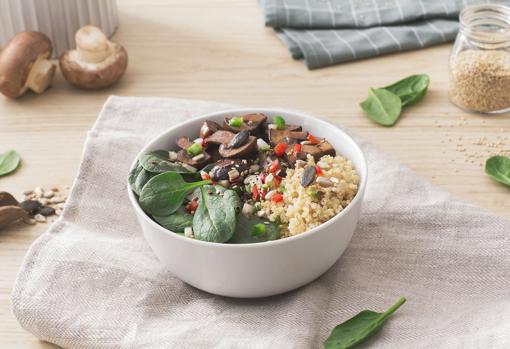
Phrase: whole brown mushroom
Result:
[24,64]
[96,63]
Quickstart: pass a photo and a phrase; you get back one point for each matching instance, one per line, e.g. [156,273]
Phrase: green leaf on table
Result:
[382,106]
[498,168]
[215,217]
[9,162]
[177,221]
[411,89]
[163,194]
[358,328]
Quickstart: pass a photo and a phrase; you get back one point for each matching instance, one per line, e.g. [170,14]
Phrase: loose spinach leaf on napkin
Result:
[215,217]
[165,193]
[358,328]
[411,89]
[9,162]
[498,168]
[382,106]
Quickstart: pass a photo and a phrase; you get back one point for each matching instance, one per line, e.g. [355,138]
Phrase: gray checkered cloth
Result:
[326,32]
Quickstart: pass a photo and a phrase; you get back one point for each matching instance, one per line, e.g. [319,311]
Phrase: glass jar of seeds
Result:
[480,60]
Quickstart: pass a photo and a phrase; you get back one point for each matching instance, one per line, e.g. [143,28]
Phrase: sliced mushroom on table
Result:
[24,64]
[250,122]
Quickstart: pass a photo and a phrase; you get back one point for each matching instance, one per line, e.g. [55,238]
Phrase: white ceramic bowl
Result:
[259,269]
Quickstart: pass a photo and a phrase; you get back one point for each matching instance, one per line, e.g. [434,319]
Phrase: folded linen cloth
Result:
[92,281]
[326,32]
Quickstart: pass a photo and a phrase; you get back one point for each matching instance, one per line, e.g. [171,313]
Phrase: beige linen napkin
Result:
[92,281]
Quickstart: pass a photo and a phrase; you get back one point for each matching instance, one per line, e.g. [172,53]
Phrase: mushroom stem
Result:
[92,45]
[41,74]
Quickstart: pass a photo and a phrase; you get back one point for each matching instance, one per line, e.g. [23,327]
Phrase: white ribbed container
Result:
[59,19]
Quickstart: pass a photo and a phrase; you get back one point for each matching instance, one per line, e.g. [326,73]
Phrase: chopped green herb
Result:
[194,149]
[279,122]
[258,229]
[281,189]
[235,122]
[313,193]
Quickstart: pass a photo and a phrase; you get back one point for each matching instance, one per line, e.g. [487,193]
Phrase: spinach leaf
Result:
[382,106]
[244,226]
[498,168]
[133,173]
[215,217]
[358,328]
[9,162]
[177,221]
[159,162]
[165,193]
[411,89]
[138,177]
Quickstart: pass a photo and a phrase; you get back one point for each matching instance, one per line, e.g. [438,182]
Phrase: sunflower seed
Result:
[324,182]
[40,218]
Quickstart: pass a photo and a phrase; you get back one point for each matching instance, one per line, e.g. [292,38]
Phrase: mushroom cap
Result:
[245,150]
[92,76]
[17,59]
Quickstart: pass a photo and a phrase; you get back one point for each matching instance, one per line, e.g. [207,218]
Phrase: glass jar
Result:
[480,60]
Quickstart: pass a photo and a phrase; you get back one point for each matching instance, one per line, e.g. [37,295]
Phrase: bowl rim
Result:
[359,195]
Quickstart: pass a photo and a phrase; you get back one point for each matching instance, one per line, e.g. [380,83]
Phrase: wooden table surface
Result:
[220,50]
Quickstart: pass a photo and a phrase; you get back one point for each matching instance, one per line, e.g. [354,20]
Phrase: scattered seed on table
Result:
[31,206]
[38,191]
[40,218]
[49,194]
[47,211]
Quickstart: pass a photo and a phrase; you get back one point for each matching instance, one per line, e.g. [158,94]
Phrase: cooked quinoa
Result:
[304,208]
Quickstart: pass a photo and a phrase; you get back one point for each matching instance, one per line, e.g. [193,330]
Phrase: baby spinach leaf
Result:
[215,217]
[9,162]
[382,106]
[159,162]
[244,226]
[138,177]
[177,221]
[133,173]
[358,328]
[498,168]
[165,193]
[411,89]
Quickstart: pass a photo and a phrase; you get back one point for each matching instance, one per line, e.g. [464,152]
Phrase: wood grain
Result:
[220,50]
